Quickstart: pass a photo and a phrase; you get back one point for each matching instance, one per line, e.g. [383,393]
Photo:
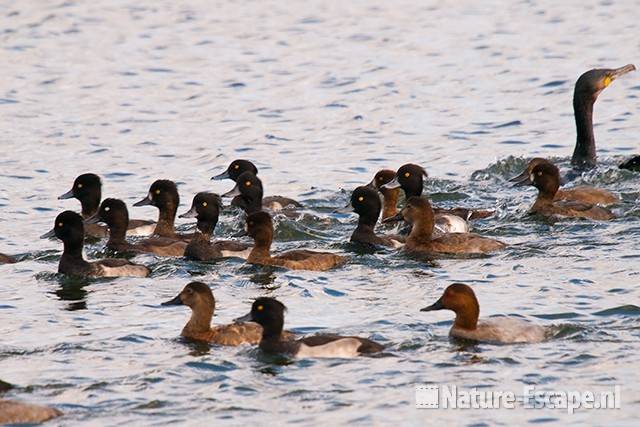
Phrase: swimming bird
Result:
[410,178]
[587,88]
[247,195]
[114,213]
[237,168]
[14,412]
[69,228]
[461,299]
[581,193]
[163,194]
[269,313]
[260,228]
[7,259]
[206,208]
[87,188]
[546,178]
[419,214]
[199,298]
[365,201]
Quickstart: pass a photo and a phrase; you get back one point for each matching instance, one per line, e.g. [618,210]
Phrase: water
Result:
[320,96]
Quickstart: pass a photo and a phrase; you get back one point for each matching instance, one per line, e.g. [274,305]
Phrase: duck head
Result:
[199,298]
[235,169]
[249,188]
[268,313]
[545,176]
[206,208]
[112,212]
[365,201]
[460,299]
[69,228]
[87,188]
[419,213]
[523,178]
[410,178]
[163,194]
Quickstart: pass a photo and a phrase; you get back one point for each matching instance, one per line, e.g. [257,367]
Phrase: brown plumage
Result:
[419,213]
[12,412]
[582,193]
[546,178]
[198,297]
[6,259]
[389,195]
[260,228]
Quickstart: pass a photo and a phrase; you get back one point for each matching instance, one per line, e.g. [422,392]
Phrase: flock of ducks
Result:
[432,231]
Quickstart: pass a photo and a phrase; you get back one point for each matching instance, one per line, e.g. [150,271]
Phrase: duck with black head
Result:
[206,209]
[235,170]
[461,299]
[163,194]
[199,298]
[260,228]
[419,214]
[248,195]
[269,313]
[586,91]
[69,228]
[410,178]
[87,188]
[545,176]
[581,193]
[365,201]
[115,214]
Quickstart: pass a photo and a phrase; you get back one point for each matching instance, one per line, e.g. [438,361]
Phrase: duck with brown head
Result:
[582,193]
[206,208]
[419,214]
[269,313]
[199,298]
[390,195]
[461,299]
[260,228]
[587,88]
[69,228]
[545,176]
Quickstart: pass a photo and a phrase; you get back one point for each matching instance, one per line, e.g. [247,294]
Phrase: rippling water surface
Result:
[320,95]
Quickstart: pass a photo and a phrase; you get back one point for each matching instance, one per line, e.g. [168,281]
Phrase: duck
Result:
[410,178]
[269,313]
[69,228]
[586,91]
[545,176]
[236,169]
[7,259]
[87,188]
[247,195]
[115,214]
[199,298]
[461,299]
[389,195]
[260,228]
[14,412]
[582,193]
[163,194]
[419,214]
[206,208]
[365,202]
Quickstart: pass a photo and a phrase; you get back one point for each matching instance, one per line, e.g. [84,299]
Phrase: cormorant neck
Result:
[584,154]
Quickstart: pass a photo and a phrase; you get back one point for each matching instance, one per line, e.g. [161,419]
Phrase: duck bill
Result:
[220,177]
[435,306]
[394,183]
[235,191]
[49,234]
[191,213]
[67,195]
[521,180]
[174,301]
[144,202]
[397,217]
[93,219]
[622,71]
[246,318]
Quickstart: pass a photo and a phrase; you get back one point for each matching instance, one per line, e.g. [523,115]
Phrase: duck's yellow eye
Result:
[260,307]
[79,185]
[60,224]
[157,191]
[407,174]
[204,204]
[607,81]
[247,184]
[539,173]
[360,198]
[236,166]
